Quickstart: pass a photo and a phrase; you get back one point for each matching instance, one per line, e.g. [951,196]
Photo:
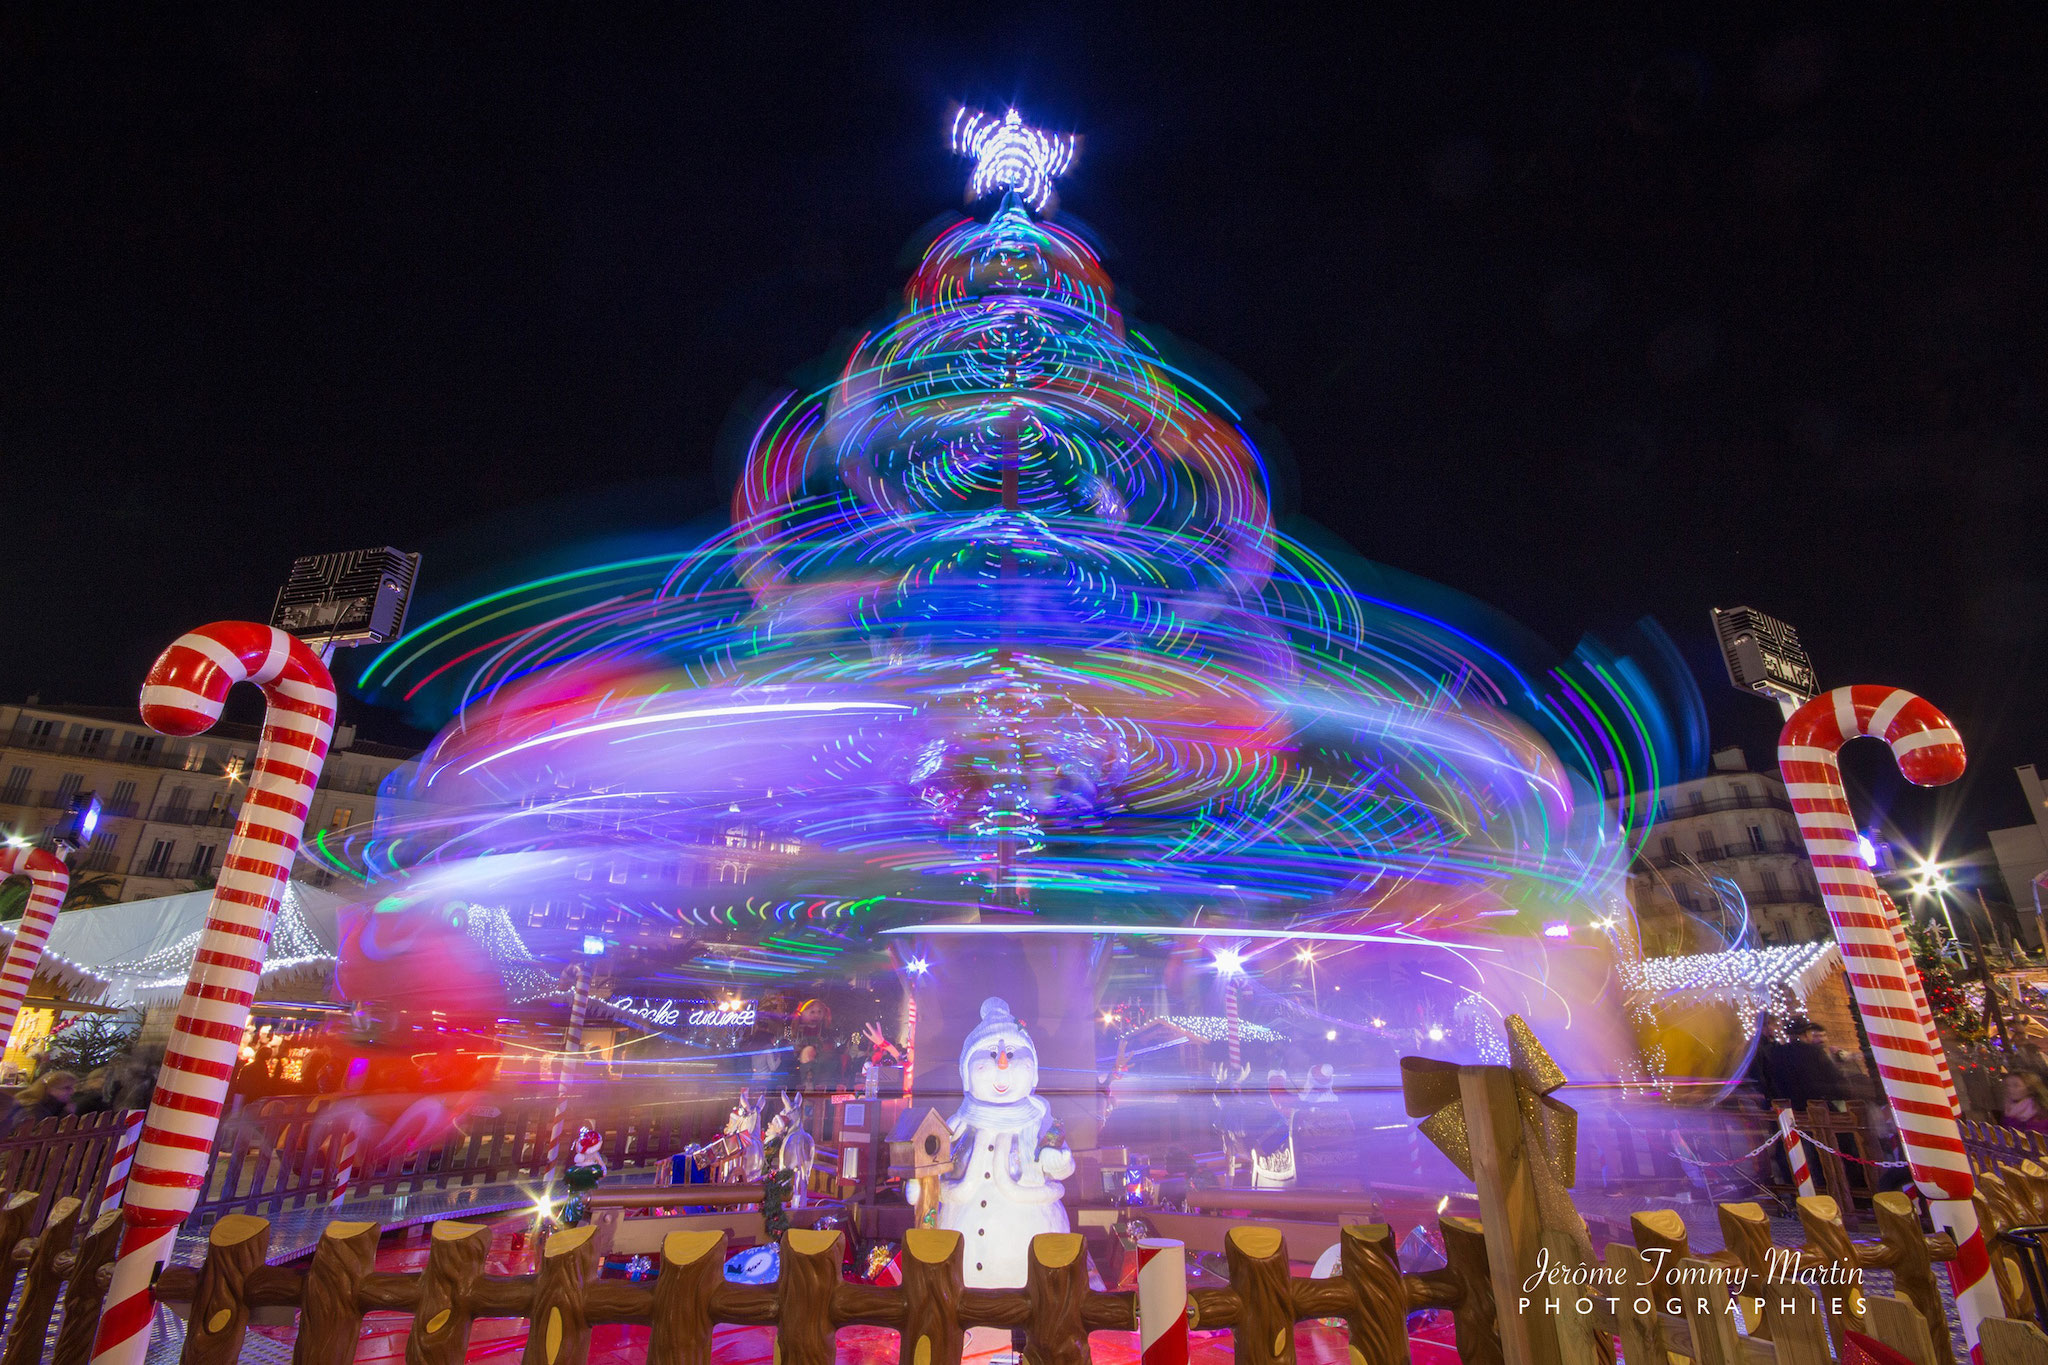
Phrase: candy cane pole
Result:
[184,694]
[1920,1004]
[572,1043]
[1162,1302]
[1232,1031]
[48,880]
[1795,1152]
[1909,1056]
[344,1164]
[116,1182]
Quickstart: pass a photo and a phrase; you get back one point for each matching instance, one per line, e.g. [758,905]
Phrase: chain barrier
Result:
[1774,1139]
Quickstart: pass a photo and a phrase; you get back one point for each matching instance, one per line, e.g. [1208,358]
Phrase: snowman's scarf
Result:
[1013,1116]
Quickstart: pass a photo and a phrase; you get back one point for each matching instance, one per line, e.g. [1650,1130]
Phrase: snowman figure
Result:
[1010,1154]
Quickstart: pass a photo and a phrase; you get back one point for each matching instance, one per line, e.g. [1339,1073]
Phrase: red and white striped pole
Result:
[1909,1055]
[344,1164]
[1920,1004]
[572,1044]
[1162,1301]
[183,695]
[1795,1152]
[116,1183]
[48,880]
[1233,1032]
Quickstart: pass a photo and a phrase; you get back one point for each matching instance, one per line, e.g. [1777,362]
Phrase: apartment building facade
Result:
[1732,830]
[169,805]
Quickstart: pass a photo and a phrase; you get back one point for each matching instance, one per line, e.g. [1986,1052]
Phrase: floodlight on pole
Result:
[1764,656]
[356,597]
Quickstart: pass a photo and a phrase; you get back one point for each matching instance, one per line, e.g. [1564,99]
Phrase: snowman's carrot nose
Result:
[1003,1057]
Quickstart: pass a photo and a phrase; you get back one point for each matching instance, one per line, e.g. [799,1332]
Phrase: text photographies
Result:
[1609,1285]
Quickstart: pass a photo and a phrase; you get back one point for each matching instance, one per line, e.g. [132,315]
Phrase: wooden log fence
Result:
[1664,1297]
[62,1158]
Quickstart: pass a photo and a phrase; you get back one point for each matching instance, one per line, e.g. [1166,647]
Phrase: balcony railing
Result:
[1723,852]
[1756,801]
[193,815]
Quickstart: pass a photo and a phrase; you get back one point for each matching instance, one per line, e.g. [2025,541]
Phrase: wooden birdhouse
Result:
[920,1151]
[920,1144]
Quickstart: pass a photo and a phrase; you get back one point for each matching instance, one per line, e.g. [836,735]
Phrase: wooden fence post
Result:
[933,1260]
[1710,1313]
[692,1269]
[1263,1329]
[1055,1283]
[804,1328]
[1905,1255]
[1476,1314]
[1827,1244]
[83,1292]
[1746,1234]
[1378,1318]
[2012,1341]
[1643,1338]
[39,1295]
[440,1324]
[1898,1324]
[560,1330]
[330,1314]
[220,1307]
[14,1226]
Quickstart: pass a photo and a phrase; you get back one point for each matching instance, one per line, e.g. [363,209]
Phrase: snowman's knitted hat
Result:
[996,1022]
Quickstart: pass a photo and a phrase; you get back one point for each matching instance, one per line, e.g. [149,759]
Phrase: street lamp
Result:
[1932,879]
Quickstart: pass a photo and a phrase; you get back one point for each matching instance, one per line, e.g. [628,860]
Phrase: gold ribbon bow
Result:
[1430,1088]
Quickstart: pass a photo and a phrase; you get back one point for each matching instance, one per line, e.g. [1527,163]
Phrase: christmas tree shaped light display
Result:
[1005,635]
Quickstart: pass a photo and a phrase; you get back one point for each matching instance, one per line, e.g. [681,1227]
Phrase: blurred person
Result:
[96,1096]
[48,1096]
[1802,1071]
[1324,1136]
[2026,1103]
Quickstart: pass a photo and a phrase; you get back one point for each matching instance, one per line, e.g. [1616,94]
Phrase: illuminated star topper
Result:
[1010,155]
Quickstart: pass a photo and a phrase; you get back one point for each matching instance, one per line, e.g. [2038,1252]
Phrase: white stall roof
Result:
[143,949]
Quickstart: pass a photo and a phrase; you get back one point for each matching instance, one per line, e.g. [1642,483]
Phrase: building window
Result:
[618,874]
[1663,810]
[123,802]
[344,816]
[538,915]
[1670,849]
[1757,843]
[1742,793]
[1708,848]
[42,734]
[92,743]
[1770,882]
[99,855]
[1699,800]
[202,860]
[67,788]
[15,793]
[142,748]
[174,807]
[159,861]
[195,758]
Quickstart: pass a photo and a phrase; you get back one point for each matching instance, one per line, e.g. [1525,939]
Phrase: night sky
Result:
[1590,322]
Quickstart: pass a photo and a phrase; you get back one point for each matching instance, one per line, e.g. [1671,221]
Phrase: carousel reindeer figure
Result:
[1234,1121]
[735,1157]
[797,1150]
